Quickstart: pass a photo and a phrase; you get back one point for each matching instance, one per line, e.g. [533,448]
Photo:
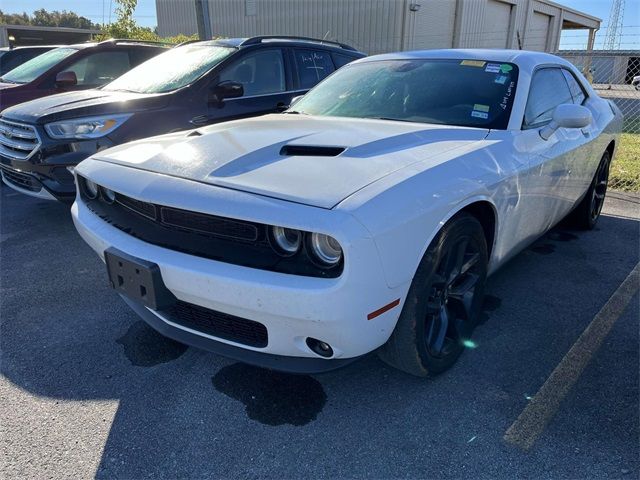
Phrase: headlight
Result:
[325,250]
[286,241]
[108,195]
[91,188]
[89,127]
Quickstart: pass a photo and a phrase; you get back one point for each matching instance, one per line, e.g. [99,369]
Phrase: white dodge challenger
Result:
[367,217]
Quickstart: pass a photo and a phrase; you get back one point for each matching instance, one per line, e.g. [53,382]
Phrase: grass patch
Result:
[625,169]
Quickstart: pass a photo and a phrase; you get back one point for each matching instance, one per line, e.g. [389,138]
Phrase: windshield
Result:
[35,67]
[470,93]
[171,70]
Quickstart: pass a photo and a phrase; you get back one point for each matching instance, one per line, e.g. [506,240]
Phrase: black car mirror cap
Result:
[225,90]
[66,79]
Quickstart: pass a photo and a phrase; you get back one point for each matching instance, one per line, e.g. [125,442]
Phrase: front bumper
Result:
[291,307]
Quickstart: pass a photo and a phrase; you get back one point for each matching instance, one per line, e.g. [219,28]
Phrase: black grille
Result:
[218,324]
[222,239]
[138,206]
[21,180]
[210,224]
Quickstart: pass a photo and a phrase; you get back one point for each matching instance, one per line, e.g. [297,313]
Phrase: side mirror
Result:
[295,100]
[567,115]
[226,89]
[66,79]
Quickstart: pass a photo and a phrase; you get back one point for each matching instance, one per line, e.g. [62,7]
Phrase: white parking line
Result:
[535,417]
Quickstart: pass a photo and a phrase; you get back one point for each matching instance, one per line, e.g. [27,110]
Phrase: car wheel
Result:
[443,303]
[587,212]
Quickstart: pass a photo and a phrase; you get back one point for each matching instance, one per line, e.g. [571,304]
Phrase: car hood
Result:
[316,161]
[82,103]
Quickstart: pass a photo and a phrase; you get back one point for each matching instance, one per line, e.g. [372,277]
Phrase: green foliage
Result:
[126,27]
[44,18]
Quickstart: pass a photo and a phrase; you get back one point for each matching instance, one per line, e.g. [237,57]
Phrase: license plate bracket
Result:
[137,279]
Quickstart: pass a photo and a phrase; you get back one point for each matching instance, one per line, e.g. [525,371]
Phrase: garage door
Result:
[497,18]
[537,32]
[434,25]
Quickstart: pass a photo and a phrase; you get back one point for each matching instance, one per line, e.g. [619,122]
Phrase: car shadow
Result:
[183,412]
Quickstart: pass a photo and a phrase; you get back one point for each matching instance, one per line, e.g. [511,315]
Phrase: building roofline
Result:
[51,29]
[572,10]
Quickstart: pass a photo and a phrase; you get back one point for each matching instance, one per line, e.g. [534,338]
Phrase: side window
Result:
[341,60]
[548,90]
[576,90]
[313,66]
[260,73]
[100,68]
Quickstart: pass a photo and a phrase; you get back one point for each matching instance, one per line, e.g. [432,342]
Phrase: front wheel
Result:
[443,303]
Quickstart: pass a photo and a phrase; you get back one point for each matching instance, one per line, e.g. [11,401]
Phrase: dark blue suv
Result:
[193,84]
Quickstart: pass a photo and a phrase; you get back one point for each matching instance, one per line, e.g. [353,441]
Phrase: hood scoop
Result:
[310,151]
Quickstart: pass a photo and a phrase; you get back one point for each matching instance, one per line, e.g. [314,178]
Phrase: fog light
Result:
[319,347]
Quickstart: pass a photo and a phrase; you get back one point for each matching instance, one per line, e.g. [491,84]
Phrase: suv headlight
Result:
[88,127]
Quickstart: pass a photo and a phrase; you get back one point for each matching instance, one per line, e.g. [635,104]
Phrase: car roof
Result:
[24,47]
[524,59]
[270,40]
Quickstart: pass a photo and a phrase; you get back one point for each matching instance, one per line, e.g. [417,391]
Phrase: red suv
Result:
[74,67]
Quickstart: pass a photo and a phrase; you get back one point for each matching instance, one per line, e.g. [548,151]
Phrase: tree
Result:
[125,26]
[44,18]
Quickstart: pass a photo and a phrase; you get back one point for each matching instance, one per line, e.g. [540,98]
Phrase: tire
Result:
[586,214]
[444,301]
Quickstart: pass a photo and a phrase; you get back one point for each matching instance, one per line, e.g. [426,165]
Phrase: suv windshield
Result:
[35,67]
[471,93]
[171,70]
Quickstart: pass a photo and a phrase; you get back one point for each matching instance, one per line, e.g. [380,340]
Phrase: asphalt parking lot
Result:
[88,389]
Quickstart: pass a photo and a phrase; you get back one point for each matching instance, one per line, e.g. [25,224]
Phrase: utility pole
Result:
[202,19]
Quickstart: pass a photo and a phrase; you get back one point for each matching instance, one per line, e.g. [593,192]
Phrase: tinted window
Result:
[260,73]
[548,90]
[574,87]
[139,55]
[313,66]
[171,70]
[450,92]
[100,68]
[341,60]
[35,67]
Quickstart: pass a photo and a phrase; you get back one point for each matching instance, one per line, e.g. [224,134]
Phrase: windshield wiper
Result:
[295,112]
[7,81]
[393,119]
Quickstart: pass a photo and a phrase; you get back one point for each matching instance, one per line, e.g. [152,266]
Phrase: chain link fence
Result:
[612,74]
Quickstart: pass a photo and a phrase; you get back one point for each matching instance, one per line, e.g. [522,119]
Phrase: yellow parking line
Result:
[534,418]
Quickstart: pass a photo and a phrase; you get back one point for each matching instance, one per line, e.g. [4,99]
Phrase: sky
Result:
[98,11]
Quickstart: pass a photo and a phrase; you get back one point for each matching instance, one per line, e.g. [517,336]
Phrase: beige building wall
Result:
[378,26]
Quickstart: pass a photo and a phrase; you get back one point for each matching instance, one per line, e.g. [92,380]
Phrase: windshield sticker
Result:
[492,68]
[483,115]
[481,108]
[473,63]
[501,79]
[507,96]
[505,68]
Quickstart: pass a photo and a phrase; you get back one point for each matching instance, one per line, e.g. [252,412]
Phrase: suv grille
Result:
[218,324]
[18,141]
